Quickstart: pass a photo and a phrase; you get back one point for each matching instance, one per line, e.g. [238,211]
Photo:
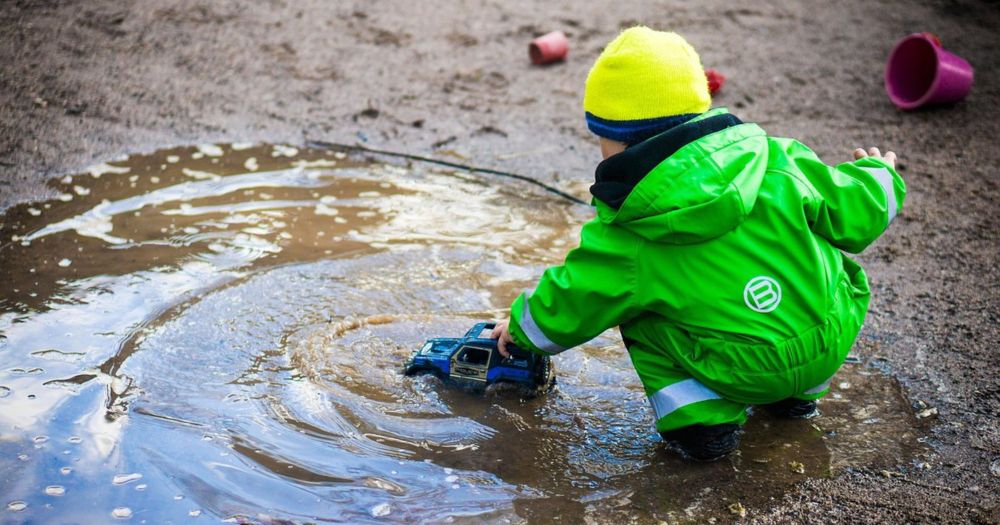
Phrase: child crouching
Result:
[716,250]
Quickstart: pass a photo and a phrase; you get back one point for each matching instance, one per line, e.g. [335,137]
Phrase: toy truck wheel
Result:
[544,374]
[422,371]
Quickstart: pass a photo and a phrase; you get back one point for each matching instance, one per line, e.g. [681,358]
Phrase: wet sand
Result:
[83,83]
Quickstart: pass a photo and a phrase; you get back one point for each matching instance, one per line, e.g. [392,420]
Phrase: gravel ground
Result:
[84,82]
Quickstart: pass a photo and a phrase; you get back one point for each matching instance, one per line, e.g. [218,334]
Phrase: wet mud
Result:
[217,333]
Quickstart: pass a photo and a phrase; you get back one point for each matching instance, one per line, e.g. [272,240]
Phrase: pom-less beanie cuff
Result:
[634,131]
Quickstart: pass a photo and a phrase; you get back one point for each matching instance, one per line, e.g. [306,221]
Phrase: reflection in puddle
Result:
[218,332]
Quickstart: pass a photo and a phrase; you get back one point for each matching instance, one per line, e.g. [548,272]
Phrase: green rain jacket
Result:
[718,248]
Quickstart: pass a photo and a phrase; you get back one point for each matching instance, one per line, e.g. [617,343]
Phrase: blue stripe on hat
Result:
[634,131]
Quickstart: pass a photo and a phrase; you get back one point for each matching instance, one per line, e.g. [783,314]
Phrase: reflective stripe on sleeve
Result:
[884,179]
[678,395]
[535,334]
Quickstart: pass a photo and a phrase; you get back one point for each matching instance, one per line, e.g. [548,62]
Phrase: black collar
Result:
[617,175]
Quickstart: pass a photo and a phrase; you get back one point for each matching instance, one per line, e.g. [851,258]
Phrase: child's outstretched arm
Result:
[854,201]
[593,290]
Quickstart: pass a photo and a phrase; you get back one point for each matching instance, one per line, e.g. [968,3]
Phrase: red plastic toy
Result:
[715,80]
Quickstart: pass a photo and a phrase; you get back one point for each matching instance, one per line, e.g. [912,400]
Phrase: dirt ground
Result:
[83,82]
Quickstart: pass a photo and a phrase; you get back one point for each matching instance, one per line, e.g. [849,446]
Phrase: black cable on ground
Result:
[320,144]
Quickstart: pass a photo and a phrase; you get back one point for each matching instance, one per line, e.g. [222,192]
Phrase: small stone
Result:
[738,509]
[892,474]
[64,263]
[122,513]
[797,467]
[995,467]
[927,412]
[382,509]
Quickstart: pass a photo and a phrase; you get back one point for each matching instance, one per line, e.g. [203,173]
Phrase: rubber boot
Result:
[792,408]
[704,443]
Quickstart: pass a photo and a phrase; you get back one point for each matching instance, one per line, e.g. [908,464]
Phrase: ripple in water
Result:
[233,322]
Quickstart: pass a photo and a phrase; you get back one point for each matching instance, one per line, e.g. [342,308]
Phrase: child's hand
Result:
[889,158]
[501,332]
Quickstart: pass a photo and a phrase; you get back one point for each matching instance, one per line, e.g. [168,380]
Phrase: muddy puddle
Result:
[216,333]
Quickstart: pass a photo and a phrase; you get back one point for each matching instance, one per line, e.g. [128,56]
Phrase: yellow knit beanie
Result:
[643,82]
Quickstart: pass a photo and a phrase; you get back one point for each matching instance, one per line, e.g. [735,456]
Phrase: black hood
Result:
[617,175]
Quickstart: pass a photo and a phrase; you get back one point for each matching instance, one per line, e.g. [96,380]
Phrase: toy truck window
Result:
[426,348]
[474,356]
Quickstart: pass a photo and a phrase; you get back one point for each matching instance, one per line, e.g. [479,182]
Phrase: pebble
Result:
[16,506]
[122,513]
[738,509]
[382,509]
[797,467]
[995,467]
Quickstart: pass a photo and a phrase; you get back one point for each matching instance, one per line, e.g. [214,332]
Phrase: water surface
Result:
[216,333]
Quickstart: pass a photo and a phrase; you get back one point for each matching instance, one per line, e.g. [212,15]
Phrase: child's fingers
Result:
[497,330]
[874,152]
[502,346]
[859,153]
[890,157]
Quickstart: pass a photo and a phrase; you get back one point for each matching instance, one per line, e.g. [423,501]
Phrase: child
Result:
[716,250]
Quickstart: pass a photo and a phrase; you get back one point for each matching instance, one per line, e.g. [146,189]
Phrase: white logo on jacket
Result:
[762,294]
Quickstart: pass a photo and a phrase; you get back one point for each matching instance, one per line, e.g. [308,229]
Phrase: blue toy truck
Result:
[475,362]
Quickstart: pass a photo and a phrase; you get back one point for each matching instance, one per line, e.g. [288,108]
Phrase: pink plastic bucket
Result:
[921,72]
[548,48]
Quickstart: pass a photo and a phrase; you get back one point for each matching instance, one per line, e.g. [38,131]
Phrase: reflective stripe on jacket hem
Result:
[820,387]
[678,395]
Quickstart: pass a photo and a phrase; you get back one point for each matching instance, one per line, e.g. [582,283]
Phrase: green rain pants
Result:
[711,381]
